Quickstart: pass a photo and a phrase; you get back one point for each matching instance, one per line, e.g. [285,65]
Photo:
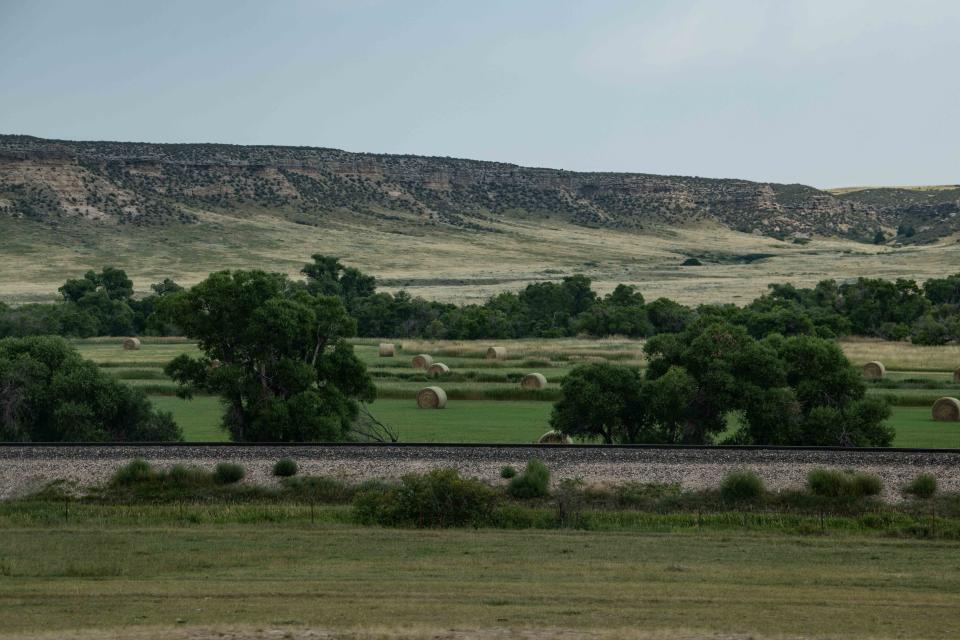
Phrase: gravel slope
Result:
[24,468]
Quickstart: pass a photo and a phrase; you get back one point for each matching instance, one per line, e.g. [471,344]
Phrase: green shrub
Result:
[440,498]
[924,486]
[133,472]
[534,482]
[182,476]
[833,483]
[741,486]
[865,484]
[285,468]
[228,473]
[507,472]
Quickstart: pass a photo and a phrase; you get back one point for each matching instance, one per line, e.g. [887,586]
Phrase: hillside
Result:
[142,184]
[444,227]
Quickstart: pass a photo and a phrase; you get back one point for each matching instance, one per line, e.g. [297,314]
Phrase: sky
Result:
[828,93]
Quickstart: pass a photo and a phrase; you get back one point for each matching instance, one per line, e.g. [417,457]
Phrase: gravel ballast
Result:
[26,468]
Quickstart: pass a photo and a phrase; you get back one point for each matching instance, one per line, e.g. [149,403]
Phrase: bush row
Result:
[442,498]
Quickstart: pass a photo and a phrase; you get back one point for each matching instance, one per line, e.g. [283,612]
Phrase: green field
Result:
[420,584]
[487,404]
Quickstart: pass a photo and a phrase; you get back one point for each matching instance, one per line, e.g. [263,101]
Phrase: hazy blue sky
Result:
[823,92]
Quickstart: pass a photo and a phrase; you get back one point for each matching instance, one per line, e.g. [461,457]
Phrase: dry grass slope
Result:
[34,261]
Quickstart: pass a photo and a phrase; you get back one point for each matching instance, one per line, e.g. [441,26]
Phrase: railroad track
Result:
[26,467]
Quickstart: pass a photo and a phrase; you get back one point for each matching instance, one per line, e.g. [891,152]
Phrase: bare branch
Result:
[368,427]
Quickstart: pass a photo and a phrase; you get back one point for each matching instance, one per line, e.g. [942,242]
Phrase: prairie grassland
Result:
[903,356]
[119,578]
[35,260]
[560,352]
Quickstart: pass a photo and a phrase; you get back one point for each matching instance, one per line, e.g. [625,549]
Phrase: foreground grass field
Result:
[121,577]
[487,405]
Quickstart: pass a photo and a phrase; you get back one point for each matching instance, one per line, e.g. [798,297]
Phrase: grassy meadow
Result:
[486,403]
[107,574]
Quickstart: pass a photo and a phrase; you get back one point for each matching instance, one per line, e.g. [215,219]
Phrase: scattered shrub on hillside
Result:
[833,483]
[534,482]
[134,471]
[285,468]
[440,498]
[507,472]
[741,486]
[228,473]
[924,486]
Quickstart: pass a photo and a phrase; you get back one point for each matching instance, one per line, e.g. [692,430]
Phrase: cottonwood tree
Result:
[49,393]
[275,351]
[602,400]
[799,390]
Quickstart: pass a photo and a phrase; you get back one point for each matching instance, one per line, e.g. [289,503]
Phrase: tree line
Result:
[277,352]
[100,304]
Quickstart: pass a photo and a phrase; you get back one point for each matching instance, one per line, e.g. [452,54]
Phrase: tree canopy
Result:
[49,393]
[797,390]
[275,351]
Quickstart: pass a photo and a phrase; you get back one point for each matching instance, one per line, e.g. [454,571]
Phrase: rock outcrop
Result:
[139,184]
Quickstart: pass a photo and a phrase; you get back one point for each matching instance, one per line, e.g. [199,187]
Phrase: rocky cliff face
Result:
[137,183]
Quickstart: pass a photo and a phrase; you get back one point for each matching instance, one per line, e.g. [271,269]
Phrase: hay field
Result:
[34,260]
[140,573]
[487,404]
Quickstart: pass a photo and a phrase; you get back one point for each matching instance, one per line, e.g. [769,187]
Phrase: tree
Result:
[668,316]
[787,391]
[49,393]
[601,401]
[326,276]
[275,351]
[106,298]
[943,290]
[723,365]
[622,312]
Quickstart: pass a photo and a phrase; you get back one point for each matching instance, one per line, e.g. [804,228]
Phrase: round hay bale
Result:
[874,370]
[956,375]
[422,361]
[533,381]
[214,364]
[438,369]
[554,437]
[432,398]
[386,350]
[496,353]
[131,344]
[946,410]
